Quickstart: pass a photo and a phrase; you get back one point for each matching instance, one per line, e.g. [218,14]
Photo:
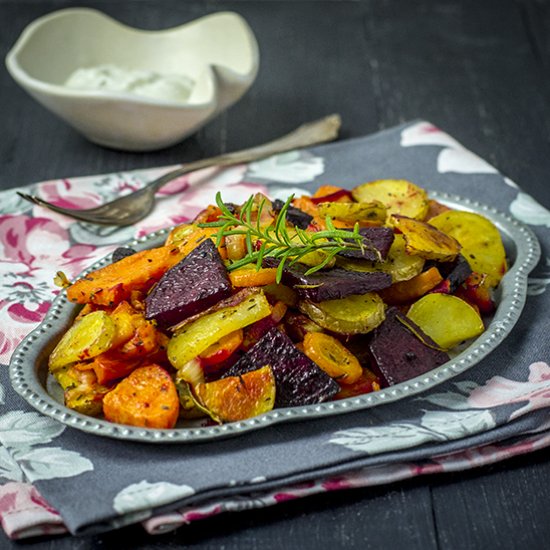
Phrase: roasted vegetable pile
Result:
[272,304]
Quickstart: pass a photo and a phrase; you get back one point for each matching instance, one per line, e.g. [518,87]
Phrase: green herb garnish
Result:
[274,240]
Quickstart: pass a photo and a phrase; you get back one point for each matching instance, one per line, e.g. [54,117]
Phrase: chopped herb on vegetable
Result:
[275,240]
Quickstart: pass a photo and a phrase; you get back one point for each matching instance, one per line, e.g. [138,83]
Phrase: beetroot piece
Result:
[294,215]
[454,273]
[329,284]
[398,354]
[197,282]
[122,252]
[297,325]
[379,237]
[299,381]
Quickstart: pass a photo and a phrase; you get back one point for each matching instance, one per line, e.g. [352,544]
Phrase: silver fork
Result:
[131,208]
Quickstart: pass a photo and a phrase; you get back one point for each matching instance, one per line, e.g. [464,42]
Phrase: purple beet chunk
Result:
[299,381]
[197,282]
[329,284]
[398,354]
[295,216]
[455,274]
[379,237]
[122,252]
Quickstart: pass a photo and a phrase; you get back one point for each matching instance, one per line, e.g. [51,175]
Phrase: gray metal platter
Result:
[30,378]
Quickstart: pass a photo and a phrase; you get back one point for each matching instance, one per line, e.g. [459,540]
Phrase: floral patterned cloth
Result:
[50,472]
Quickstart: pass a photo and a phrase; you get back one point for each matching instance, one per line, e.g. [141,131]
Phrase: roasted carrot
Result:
[222,349]
[406,291]
[115,282]
[333,357]
[326,190]
[249,277]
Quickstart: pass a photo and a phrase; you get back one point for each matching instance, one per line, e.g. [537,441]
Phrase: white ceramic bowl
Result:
[218,52]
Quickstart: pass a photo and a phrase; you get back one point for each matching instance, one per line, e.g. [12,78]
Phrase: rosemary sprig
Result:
[275,241]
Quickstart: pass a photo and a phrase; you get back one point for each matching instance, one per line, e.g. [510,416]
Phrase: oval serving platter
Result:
[30,378]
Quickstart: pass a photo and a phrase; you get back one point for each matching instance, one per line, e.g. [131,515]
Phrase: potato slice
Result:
[446,319]
[355,314]
[198,335]
[399,197]
[421,239]
[480,239]
[400,265]
[373,211]
[90,336]
[238,397]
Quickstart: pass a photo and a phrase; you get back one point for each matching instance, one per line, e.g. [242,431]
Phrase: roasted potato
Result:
[399,197]
[88,337]
[480,240]
[354,314]
[446,319]
[426,241]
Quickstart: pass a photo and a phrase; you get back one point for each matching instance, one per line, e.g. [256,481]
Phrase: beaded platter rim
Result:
[28,359]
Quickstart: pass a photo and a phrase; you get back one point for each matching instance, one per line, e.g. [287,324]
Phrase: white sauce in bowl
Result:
[111,78]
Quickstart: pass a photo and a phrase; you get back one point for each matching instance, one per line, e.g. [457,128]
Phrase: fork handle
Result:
[312,133]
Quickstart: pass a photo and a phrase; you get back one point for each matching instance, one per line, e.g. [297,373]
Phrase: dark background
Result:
[480,70]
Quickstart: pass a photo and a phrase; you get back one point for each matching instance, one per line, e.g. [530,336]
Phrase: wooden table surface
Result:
[479,70]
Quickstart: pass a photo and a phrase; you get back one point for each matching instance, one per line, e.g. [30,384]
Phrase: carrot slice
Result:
[109,367]
[147,397]
[366,383]
[249,277]
[305,204]
[331,356]
[406,291]
[115,282]
[222,349]
[325,190]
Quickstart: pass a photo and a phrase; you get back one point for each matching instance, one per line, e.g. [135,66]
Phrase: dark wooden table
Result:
[479,70]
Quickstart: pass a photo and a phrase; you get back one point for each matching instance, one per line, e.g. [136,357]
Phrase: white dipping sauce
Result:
[172,87]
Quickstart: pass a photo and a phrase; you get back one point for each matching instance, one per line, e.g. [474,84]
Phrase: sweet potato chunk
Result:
[147,398]
[406,291]
[238,397]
